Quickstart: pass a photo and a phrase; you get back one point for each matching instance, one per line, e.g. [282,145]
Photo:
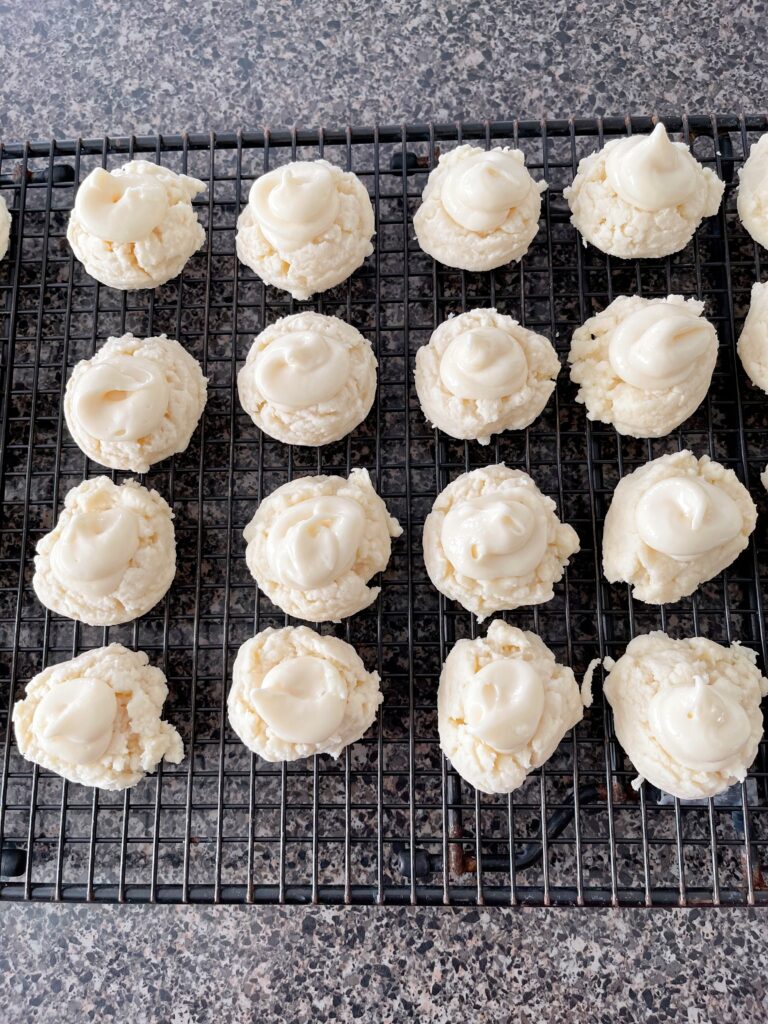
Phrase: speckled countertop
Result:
[93,66]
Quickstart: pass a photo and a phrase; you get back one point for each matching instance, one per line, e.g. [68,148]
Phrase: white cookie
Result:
[136,402]
[296,693]
[493,541]
[673,524]
[95,720]
[753,340]
[643,196]
[111,556]
[503,706]
[752,199]
[644,365]
[5,227]
[315,542]
[687,712]
[308,379]
[482,373]
[135,227]
[480,208]
[306,228]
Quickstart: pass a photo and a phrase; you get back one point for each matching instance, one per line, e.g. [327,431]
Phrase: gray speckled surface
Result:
[130,67]
[188,965]
[88,67]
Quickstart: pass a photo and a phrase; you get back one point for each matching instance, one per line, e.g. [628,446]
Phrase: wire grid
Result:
[389,822]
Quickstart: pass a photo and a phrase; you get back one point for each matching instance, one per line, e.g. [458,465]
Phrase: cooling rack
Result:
[389,822]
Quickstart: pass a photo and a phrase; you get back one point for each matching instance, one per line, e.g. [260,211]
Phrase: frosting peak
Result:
[479,191]
[123,398]
[302,699]
[700,723]
[504,703]
[315,541]
[120,208]
[302,369]
[295,204]
[650,172]
[657,346]
[684,517]
[74,721]
[484,362]
[494,536]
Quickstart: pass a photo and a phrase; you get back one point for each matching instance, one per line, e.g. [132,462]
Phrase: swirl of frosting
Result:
[74,721]
[302,699]
[484,362]
[301,369]
[503,704]
[651,173]
[658,346]
[122,398]
[120,208]
[315,541]
[494,536]
[295,204]
[684,517]
[701,724]
[479,191]
[94,550]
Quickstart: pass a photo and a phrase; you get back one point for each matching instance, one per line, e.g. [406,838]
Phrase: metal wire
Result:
[389,822]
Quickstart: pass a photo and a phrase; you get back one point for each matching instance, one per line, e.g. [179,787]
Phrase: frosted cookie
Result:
[644,365]
[315,542]
[687,712]
[493,541]
[503,705]
[306,228]
[753,340]
[480,208]
[296,693]
[135,227]
[95,720]
[482,373]
[111,556]
[752,198]
[137,401]
[674,523]
[308,379]
[643,196]
[5,228]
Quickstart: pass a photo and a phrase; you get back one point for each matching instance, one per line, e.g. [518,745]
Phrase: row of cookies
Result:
[308,225]
[687,712]
[643,365]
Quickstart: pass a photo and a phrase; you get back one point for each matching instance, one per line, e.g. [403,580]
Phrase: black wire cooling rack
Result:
[389,822]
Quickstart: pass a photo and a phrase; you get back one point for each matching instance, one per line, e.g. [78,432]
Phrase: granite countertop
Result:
[86,67]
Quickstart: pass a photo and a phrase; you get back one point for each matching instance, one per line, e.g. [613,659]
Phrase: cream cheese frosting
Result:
[135,226]
[644,365]
[480,208]
[5,228]
[482,373]
[307,226]
[687,712]
[503,705]
[493,541]
[296,694]
[753,340]
[308,379]
[643,196]
[752,197]
[673,524]
[95,719]
[315,542]
[136,402]
[111,556]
